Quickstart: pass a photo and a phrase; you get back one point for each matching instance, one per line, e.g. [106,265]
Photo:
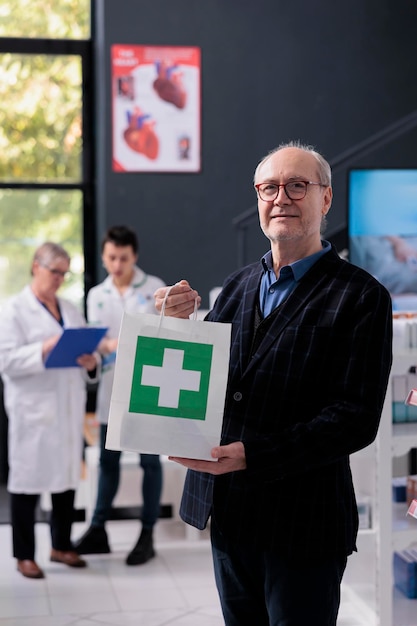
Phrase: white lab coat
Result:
[45,407]
[105,307]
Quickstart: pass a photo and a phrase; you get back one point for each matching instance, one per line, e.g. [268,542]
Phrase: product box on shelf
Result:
[405,572]
[411,488]
[399,489]
[411,398]
[364,511]
[412,509]
[400,389]
[404,401]
[404,330]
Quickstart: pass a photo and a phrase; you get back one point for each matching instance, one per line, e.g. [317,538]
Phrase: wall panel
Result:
[331,74]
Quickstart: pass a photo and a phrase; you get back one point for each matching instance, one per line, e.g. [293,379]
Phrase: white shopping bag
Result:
[169,386]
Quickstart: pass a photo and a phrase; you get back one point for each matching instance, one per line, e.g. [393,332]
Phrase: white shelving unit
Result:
[369,575]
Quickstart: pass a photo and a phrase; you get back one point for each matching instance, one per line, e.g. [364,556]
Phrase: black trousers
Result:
[23,507]
[261,587]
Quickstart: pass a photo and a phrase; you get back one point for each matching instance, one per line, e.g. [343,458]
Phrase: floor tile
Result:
[176,587]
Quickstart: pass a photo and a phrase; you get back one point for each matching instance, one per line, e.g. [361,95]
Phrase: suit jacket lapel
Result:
[249,304]
[296,302]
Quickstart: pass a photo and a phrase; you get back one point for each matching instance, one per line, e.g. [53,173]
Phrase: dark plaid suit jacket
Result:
[304,397]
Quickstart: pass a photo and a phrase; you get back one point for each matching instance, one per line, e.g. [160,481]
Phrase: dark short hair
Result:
[121,236]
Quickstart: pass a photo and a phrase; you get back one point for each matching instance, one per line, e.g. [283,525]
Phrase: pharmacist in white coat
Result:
[127,288]
[45,408]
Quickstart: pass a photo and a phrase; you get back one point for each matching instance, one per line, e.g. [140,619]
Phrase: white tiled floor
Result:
[176,588]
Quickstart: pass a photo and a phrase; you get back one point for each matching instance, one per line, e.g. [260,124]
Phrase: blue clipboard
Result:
[73,343]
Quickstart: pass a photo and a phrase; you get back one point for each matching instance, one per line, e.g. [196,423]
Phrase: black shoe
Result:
[143,550]
[93,541]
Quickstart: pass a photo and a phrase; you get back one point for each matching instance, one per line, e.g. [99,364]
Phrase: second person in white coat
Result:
[127,288]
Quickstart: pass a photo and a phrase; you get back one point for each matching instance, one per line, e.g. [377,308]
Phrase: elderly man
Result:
[309,363]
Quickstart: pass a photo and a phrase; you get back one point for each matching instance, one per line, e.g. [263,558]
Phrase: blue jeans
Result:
[108,483]
[265,588]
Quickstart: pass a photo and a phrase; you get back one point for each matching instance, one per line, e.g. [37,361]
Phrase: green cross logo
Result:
[171,378]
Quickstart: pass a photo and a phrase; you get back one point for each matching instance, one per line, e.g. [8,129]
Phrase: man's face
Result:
[119,260]
[283,219]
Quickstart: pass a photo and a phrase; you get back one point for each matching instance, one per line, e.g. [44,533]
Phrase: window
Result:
[40,117]
[57,19]
[45,139]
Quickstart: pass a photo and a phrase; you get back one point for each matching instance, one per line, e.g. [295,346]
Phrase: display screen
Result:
[382,228]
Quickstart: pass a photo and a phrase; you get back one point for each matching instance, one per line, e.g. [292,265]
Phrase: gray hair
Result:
[48,252]
[325,172]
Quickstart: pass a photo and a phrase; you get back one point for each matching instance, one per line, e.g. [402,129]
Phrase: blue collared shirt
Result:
[273,292]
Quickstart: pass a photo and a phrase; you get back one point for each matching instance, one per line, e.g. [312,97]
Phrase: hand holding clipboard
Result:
[72,344]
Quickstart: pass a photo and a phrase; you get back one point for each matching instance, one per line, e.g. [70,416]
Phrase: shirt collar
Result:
[138,279]
[300,267]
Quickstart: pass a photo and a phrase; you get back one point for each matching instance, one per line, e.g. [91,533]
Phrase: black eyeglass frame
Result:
[290,182]
[56,272]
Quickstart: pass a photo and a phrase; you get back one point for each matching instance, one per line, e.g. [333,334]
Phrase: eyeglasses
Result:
[295,189]
[56,272]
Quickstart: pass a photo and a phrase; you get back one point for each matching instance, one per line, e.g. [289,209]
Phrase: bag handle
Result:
[162,314]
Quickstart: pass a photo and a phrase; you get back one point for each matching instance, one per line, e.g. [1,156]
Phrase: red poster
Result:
[156,108]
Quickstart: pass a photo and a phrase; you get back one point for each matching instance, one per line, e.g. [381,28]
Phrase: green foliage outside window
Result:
[57,19]
[28,218]
[40,118]
[41,141]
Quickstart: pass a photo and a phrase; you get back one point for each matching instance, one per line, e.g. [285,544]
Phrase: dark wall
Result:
[331,74]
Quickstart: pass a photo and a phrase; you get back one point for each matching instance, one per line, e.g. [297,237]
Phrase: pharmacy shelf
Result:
[404,527]
[404,437]
[391,528]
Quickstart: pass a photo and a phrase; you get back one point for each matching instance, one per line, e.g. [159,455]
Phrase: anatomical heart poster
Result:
[156,108]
